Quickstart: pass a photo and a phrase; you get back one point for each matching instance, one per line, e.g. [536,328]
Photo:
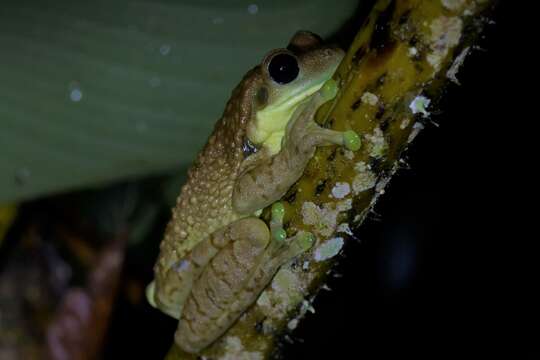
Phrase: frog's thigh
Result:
[207,314]
[175,285]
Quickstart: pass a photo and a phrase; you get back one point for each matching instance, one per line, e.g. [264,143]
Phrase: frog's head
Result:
[287,77]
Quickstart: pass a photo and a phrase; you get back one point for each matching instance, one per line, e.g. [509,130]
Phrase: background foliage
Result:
[99,91]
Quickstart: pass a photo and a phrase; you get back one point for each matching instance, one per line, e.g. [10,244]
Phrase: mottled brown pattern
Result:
[204,204]
[225,276]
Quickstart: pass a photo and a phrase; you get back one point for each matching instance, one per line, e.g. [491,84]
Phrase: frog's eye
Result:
[283,68]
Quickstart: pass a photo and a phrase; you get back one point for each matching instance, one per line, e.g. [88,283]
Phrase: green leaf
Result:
[94,92]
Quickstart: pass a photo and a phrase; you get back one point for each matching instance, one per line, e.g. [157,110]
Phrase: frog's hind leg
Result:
[206,313]
[235,277]
[170,291]
[171,287]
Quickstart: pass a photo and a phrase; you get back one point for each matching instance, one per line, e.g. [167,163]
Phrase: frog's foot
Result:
[249,256]
[322,137]
[307,134]
[280,253]
[282,249]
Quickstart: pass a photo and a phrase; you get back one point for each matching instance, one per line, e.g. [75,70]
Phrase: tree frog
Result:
[217,256]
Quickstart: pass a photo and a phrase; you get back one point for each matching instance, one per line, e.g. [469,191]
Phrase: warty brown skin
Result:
[216,256]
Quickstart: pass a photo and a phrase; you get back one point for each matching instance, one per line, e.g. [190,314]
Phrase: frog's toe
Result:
[276,223]
[150,294]
[282,248]
[329,90]
[278,212]
[279,235]
[351,140]
[287,250]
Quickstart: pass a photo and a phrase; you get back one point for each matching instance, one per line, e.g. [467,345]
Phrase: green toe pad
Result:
[351,140]
[280,234]
[278,211]
[329,89]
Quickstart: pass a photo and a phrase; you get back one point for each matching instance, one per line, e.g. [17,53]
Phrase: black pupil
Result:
[283,68]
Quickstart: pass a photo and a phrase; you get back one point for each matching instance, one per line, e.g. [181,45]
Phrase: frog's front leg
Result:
[234,277]
[268,178]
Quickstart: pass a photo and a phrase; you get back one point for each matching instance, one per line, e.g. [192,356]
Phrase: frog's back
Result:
[205,201]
